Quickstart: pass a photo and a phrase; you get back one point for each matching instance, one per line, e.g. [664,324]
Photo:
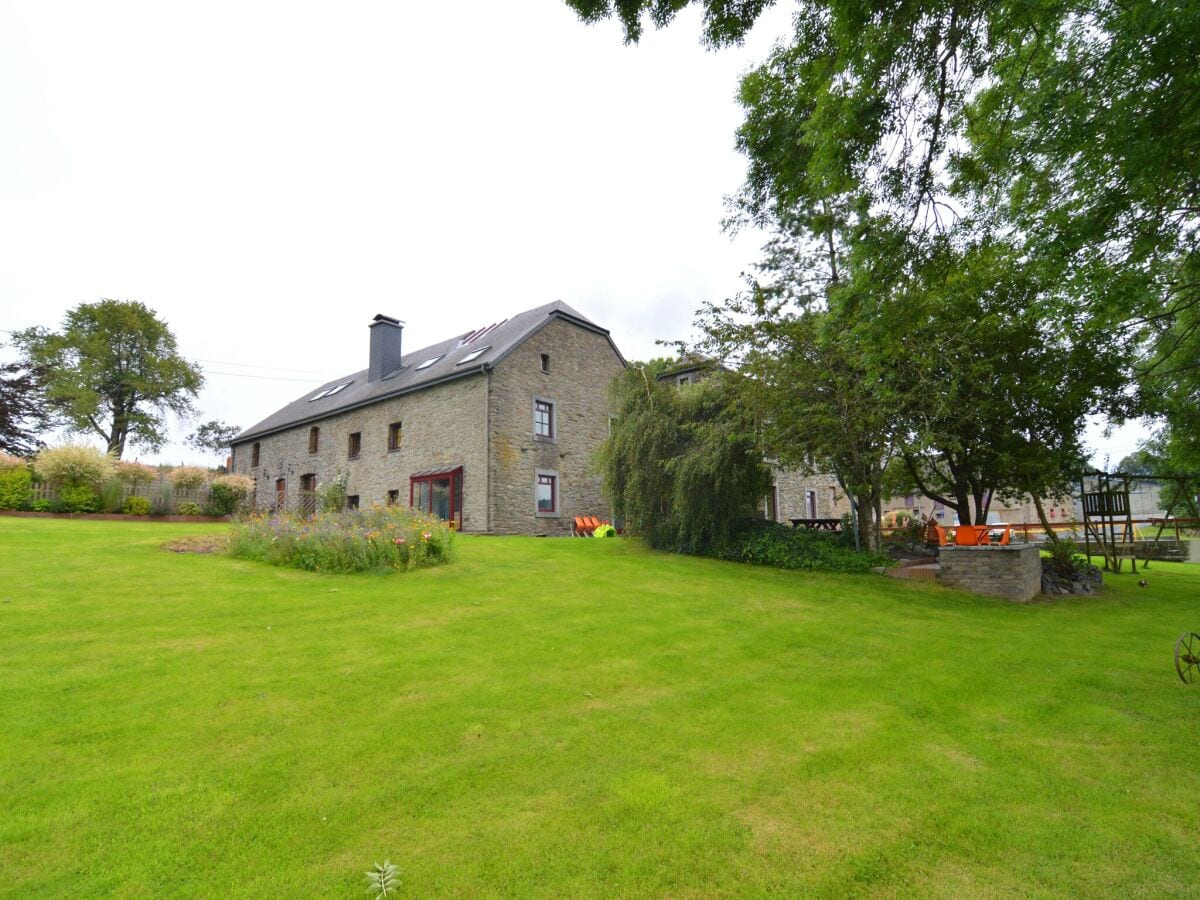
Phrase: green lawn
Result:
[579,718]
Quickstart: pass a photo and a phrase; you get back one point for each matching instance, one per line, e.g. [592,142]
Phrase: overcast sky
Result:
[268,177]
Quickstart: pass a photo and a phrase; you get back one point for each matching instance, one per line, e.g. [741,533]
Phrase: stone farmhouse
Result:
[492,430]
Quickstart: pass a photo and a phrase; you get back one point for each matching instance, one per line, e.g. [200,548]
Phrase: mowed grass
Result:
[579,718]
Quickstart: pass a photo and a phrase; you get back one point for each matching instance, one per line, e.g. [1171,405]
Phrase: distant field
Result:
[579,718]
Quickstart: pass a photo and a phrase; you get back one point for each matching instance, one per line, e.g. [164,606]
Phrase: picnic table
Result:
[818,524]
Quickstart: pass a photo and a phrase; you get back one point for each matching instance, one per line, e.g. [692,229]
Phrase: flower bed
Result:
[350,541]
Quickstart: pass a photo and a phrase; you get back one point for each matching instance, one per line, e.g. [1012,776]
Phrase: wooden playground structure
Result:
[1108,521]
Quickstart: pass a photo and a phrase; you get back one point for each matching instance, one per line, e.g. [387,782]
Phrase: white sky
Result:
[267,177]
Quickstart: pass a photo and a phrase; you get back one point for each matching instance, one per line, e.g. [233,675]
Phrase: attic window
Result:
[473,355]
[429,362]
[329,392]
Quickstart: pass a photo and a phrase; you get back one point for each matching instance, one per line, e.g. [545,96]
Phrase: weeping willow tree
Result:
[682,466]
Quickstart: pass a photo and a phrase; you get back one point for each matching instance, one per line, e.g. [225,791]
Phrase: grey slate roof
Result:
[499,342]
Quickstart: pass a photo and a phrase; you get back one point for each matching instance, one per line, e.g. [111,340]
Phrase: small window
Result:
[683,379]
[428,363]
[543,419]
[355,445]
[393,498]
[352,501]
[473,355]
[254,455]
[547,493]
[394,436]
[314,439]
[545,362]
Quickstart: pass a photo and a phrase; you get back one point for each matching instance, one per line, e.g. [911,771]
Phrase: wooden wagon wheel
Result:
[1187,656]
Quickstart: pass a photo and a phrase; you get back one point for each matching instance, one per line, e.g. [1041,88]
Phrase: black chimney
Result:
[385,347]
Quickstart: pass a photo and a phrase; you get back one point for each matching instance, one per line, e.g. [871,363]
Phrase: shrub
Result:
[605,531]
[331,495]
[8,462]
[78,498]
[16,487]
[112,496]
[228,493]
[74,465]
[136,474]
[161,501]
[188,509]
[188,478]
[137,506]
[773,544]
[350,541]
[42,506]
[1066,559]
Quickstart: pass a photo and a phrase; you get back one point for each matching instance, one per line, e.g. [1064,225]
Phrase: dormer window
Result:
[473,355]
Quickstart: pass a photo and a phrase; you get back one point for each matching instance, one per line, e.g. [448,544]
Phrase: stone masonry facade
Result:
[581,365]
[440,427]
[1011,572]
[791,492]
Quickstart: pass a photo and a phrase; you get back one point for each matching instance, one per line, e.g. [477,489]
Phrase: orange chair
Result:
[581,527]
[971,535]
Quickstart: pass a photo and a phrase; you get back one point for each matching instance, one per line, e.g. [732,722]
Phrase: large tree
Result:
[682,466]
[113,370]
[1069,126]
[23,410]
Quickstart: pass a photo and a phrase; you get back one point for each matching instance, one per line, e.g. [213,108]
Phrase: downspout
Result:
[487,446]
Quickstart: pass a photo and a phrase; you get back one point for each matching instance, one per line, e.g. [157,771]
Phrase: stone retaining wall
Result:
[1012,572]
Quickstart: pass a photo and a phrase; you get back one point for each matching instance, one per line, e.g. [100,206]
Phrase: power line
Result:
[263,377]
[225,362]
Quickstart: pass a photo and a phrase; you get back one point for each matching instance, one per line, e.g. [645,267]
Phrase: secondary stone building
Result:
[794,494]
[493,430]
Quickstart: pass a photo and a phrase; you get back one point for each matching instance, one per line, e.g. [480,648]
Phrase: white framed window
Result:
[428,363]
[545,424]
[545,493]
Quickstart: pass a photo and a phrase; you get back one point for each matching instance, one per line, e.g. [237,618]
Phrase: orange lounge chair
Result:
[971,535]
[582,529]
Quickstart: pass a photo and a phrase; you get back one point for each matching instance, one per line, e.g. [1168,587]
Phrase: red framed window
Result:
[439,493]
[546,493]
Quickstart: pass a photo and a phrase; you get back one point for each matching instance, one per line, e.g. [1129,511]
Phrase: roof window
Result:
[429,362]
[473,355]
[329,392]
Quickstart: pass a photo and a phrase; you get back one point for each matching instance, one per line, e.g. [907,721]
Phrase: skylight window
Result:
[474,355]
[429,362]
[329,392]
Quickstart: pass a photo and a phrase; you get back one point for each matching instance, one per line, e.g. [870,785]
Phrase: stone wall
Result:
[790,485]
[581,363]
[441,427]
[1012,572]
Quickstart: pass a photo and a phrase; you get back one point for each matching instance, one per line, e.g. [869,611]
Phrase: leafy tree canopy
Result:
[213,436]
[113,370]
[23,410]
